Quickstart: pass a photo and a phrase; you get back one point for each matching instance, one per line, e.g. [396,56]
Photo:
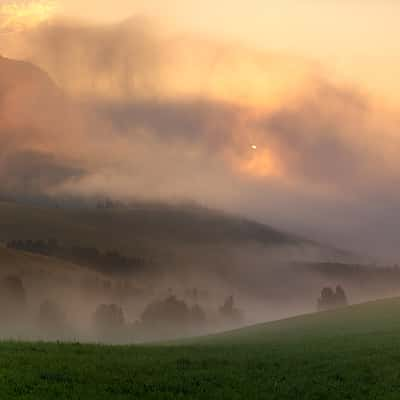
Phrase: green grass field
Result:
[352,353]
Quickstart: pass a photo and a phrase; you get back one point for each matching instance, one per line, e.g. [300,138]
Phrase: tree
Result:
[12,298]
[109,317]
[169,318]
[341,298]
[330,299]
[327,299]
[229,312]
[171,311]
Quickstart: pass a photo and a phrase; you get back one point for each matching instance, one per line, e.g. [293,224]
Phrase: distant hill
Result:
[35,116]
[192,247]
[155,228]
[46,277]
[375,318]
[15,74]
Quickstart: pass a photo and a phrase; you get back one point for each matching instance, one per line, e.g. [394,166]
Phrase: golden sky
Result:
[355,40]
[21,15]
[259,54]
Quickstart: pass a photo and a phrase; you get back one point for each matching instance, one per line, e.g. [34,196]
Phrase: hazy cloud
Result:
[129,118]
[32,172]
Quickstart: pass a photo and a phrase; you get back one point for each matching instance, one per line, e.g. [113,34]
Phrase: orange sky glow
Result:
[353,40]
[255,54]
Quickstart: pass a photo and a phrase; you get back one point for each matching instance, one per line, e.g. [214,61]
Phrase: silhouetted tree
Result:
[327,299]
[229,312]
[169,318]
[12,298]
[330,299]
[108,318]
[170,311]
[341,298]
[110,261]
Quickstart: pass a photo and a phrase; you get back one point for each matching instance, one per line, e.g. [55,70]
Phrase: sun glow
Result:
[21,15]
[259,163]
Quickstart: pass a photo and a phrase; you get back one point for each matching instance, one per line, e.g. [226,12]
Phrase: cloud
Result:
[137,59]
[21,15]
[328,135]
[116,61]
[29,172]
[190,120]
[133,113]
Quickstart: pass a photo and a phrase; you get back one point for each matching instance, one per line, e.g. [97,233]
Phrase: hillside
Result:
[45,278]
[191,247]
[142,222]
[19,74]
[376,318]
[350,353]
[29,265]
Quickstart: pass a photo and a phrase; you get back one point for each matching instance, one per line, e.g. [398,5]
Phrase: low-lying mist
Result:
[153,284]
[135,115]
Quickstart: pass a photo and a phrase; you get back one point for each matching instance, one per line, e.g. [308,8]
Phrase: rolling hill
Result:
[348,353]
[14,74]
[378,317]
[145,222]
[46,278]
[17,262]
[188,246]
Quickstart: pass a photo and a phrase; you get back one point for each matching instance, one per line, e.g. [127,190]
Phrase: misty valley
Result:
[199,200]
[201,272]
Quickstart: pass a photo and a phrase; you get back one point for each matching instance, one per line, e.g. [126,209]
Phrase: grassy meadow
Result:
[352,353]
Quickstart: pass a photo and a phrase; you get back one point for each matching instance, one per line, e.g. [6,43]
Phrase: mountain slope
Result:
[21,263]
[14,74]
[148,225]
[37,122]
[375,318]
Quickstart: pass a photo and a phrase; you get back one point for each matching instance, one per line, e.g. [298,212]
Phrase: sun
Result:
[22,15]
[260,163]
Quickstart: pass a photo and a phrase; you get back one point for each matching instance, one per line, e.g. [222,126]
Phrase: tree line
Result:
[161,319]
[331,299]
[107,262]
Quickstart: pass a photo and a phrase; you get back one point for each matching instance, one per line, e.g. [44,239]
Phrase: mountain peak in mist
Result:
[14,73]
